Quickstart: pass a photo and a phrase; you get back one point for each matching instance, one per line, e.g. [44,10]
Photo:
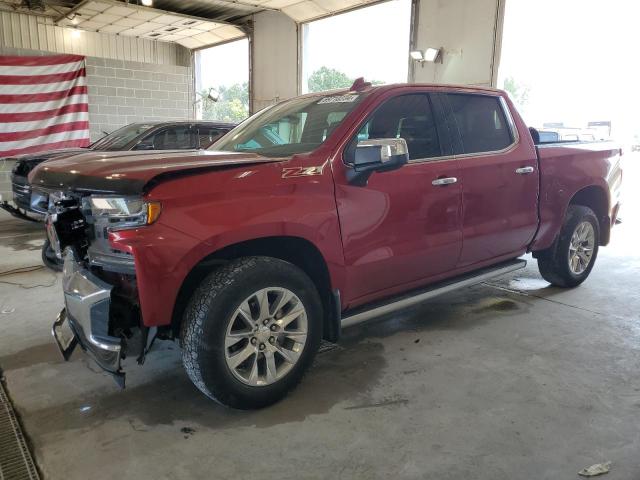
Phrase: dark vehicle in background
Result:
[177,135]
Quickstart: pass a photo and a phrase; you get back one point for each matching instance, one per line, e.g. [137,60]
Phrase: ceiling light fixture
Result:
[147,3]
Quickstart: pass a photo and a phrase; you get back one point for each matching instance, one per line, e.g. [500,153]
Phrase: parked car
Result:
[315,214]
[181,135]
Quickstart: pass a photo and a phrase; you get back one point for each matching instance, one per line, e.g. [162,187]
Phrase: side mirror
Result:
[379,155]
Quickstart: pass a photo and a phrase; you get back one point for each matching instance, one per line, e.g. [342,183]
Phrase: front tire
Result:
[250,331]
[569,261]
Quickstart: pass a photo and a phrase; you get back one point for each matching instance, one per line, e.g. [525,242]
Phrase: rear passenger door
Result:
[499,178]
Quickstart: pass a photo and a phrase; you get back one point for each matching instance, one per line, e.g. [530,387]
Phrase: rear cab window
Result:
[481,123]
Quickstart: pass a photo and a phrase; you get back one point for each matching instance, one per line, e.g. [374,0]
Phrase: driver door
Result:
[401,229]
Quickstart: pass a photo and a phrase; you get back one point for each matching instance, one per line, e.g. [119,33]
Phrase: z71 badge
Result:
[301,171]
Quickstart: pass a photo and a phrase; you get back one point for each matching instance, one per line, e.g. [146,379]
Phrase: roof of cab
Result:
[369,89]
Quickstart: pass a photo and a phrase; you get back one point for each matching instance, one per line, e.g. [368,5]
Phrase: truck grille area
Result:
[16,462]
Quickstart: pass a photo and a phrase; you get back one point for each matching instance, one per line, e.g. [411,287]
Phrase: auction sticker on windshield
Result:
[338,99]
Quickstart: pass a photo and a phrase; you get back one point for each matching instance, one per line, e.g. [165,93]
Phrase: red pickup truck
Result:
[317,213]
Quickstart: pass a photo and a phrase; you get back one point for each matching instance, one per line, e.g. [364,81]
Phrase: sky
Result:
[372,42]
[226,64]
[578,57]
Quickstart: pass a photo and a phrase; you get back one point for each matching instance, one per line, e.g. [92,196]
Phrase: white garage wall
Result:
[274,59]
[469,32]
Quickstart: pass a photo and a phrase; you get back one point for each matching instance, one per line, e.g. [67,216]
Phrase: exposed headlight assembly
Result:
[125,212]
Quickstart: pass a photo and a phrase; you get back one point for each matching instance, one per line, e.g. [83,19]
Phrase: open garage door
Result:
[372,42]
[567,66]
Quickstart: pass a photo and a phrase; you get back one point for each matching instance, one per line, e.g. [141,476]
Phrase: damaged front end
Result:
[102,310]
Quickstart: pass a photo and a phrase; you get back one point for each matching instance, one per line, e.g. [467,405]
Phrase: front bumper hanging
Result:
[86,318]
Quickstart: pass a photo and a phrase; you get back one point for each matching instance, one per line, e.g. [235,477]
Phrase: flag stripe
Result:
[37,61]
[44,103]
[40,97]
[41,69]
[24,126]
[51,129]
[52,138]
[30,80]
[42,87]
[10,108]
[30,116]
[79,143]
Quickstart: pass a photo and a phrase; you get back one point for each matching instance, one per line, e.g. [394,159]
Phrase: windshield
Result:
[122,137]
[296,126]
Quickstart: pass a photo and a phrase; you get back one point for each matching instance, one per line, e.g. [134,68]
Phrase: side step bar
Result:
[361,315]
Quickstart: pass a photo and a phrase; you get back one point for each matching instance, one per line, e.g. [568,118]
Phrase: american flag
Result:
[43,104]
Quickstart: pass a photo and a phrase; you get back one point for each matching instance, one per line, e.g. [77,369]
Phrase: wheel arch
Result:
[596,198]
[296,250]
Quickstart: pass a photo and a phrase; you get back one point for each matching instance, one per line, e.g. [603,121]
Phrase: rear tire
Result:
[569,261]
[49,257]
[225,321]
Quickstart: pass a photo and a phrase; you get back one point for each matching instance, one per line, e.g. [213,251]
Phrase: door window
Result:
[208,135]
[173,138]
[481,122]
[408,117]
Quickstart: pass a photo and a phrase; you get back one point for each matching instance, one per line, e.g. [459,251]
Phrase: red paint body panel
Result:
[397,233]
[500,206]
[567,169]
[204,213]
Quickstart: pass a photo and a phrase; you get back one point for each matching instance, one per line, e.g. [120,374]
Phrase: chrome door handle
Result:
[524,170]
[444,181]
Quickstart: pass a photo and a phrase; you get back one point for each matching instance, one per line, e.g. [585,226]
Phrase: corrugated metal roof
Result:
[214,9]
[191,23]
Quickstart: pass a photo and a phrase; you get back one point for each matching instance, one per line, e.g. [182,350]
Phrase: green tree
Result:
[326,78]
[518,92]
[232,104]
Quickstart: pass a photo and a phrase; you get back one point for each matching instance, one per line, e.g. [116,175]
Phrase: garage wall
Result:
[39,33]
[469,31]
[123,92]
[274,59]
[129,79]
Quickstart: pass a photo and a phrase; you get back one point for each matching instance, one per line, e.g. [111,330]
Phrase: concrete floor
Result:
[512,379]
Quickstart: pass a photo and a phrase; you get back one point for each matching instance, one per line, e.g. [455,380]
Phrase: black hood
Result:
[131,173]
[26,163]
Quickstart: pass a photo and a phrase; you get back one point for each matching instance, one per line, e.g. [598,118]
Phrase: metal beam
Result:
[249,4]
[147,9]
[71,11]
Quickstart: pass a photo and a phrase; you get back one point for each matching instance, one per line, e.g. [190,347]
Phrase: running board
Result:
[361,315]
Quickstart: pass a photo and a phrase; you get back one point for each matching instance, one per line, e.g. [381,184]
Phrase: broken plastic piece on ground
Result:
[597,469]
